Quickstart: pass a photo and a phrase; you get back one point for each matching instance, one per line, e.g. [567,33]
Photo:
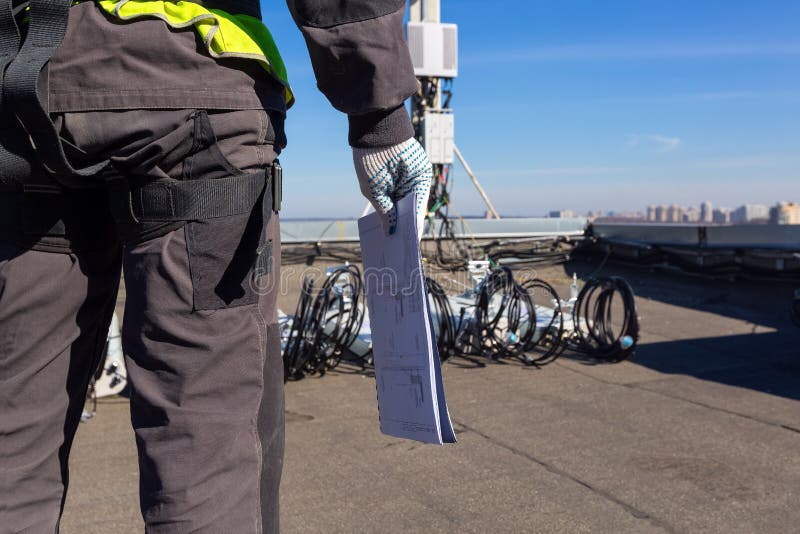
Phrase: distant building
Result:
[691,214]
[785,213]
[675,214]
[722,216]
[651,213]
[750,213]
[661,214]
[562,214]
[706,212]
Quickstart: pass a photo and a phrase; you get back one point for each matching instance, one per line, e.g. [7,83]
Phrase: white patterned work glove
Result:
[388,174]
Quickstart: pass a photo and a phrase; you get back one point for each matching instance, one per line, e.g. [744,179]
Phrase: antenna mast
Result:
[434,52]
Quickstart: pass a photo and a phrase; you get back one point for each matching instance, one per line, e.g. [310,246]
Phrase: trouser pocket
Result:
[227,255]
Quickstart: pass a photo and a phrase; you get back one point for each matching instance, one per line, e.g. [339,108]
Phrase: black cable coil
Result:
[497,326]
[325,325]
[604,329]
[445,326]
[549,344]
[504,315]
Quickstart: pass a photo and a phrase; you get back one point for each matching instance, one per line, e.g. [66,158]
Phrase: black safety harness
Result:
[35,160]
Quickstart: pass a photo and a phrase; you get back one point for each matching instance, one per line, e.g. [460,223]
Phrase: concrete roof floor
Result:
[699,432]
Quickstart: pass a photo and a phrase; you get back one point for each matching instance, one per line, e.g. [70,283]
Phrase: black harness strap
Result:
[14,165]
[9,38]
[23,83]
[198,199]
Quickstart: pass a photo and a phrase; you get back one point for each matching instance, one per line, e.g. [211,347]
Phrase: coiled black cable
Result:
[502,322]
[344,291]
[547,343]
[295,348]
[325,325]
[445,327]
[605,321]
[504,314]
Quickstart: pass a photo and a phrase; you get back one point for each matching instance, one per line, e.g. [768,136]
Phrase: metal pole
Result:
[481,192]
[415,11]
[425,11]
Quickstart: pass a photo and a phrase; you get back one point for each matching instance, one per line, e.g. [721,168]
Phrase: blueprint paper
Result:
[448,434]
[411,400]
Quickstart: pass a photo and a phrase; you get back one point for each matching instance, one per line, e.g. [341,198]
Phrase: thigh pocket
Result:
[228,255]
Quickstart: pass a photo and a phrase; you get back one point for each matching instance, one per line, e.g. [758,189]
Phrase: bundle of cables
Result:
[498,325]
[528,251]
[451,252]
[605,321]
[547,343]
[445,326]
[505,318]
[528,321]
[308,253]
[325,324]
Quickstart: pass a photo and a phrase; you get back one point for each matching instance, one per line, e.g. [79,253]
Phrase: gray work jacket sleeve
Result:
[362,64]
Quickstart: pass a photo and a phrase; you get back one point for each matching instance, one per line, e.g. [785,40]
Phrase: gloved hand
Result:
[388,174]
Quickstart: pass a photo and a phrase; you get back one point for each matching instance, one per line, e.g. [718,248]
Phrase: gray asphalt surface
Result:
[698,433]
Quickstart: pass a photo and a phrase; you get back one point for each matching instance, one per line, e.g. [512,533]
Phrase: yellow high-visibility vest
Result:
[225,35]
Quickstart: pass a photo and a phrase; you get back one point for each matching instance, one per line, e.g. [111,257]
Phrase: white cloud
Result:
[666,144]
[661,143]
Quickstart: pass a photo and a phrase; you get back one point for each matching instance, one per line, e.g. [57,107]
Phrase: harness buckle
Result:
[277,185]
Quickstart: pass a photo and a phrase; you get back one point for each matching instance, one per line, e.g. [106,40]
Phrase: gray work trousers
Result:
[199,333]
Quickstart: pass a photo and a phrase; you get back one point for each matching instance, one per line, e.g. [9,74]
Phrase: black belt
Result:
[205,199]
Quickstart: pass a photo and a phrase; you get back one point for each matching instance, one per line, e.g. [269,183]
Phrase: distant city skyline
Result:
[783,212]
[642,209]
[572,191]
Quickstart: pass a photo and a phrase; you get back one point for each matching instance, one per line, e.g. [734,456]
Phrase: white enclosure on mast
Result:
[434,49]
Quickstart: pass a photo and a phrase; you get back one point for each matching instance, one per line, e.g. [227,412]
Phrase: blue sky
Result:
[587,105]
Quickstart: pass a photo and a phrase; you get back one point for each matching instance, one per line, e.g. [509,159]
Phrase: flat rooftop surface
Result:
[699,432]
